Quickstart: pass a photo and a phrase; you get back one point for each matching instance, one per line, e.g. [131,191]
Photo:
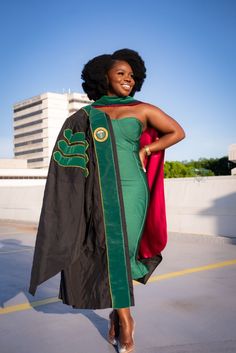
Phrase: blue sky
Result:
[188,47]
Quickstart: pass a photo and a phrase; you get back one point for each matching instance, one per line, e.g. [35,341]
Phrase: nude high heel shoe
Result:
[114,320]
[125,347]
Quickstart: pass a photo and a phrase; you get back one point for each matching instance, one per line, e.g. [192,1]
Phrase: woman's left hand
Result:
[143,156]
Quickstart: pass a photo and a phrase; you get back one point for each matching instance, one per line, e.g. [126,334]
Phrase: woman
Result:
[92,226]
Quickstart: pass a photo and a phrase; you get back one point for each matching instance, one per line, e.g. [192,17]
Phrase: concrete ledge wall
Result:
[194,205]
[21,203]
[203,205]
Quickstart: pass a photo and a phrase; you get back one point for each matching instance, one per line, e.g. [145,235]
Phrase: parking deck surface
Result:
[188,307]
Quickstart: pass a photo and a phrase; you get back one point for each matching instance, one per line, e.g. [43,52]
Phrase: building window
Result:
[27,106]
[23,177]
[27,115]
[28,142]
[39,131]
[29,151]
[35,160]
[28,124]
[79,101]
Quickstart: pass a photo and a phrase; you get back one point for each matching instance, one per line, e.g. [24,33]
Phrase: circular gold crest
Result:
[100,134]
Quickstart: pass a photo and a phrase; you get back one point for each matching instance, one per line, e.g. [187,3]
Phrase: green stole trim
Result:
[114,100]
[117,250]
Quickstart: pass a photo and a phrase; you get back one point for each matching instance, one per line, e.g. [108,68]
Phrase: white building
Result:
[37,122]
[12,164]
[232,156]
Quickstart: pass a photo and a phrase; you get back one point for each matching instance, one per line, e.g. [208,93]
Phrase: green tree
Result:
[201,167]
[219,166]
[177,170]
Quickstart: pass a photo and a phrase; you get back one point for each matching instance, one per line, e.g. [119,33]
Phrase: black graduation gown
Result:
[73,229]
[82,231]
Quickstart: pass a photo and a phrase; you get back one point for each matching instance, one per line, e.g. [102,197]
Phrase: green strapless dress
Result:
[135,190]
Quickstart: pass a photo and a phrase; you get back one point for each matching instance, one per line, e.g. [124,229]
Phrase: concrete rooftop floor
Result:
[190,307]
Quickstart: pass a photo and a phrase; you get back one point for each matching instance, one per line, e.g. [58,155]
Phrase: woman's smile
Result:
[121,80]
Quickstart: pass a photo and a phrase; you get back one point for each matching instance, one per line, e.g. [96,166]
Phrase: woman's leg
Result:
[114,329]
[126,323]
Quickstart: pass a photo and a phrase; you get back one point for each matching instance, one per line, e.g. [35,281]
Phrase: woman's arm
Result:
[171,131]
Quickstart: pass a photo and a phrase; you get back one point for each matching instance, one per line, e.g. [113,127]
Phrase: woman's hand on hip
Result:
[143,156]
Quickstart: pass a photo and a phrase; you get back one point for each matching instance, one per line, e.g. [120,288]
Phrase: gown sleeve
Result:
[62,220]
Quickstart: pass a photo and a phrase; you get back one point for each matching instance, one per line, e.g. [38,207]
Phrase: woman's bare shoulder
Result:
[148,109]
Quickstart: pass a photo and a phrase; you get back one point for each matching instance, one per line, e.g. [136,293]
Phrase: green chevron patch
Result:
[72,151]
[77,137]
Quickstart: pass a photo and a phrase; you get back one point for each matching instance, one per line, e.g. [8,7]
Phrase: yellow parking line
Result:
[15,251]
[4,234]
[192,270]
[30,305]
[27,306]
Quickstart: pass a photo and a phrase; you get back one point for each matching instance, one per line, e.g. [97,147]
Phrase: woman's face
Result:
[120,77]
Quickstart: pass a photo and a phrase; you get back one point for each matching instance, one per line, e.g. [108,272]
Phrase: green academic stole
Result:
[113,209]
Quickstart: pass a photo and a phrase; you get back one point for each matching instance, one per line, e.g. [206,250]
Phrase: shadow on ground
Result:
[16,262]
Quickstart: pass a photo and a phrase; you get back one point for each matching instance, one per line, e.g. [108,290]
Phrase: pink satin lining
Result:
[154,237]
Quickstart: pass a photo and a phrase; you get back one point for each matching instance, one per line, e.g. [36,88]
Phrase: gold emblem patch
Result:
[100,134]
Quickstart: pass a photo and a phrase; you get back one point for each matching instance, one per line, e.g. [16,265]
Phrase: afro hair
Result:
[94,72]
